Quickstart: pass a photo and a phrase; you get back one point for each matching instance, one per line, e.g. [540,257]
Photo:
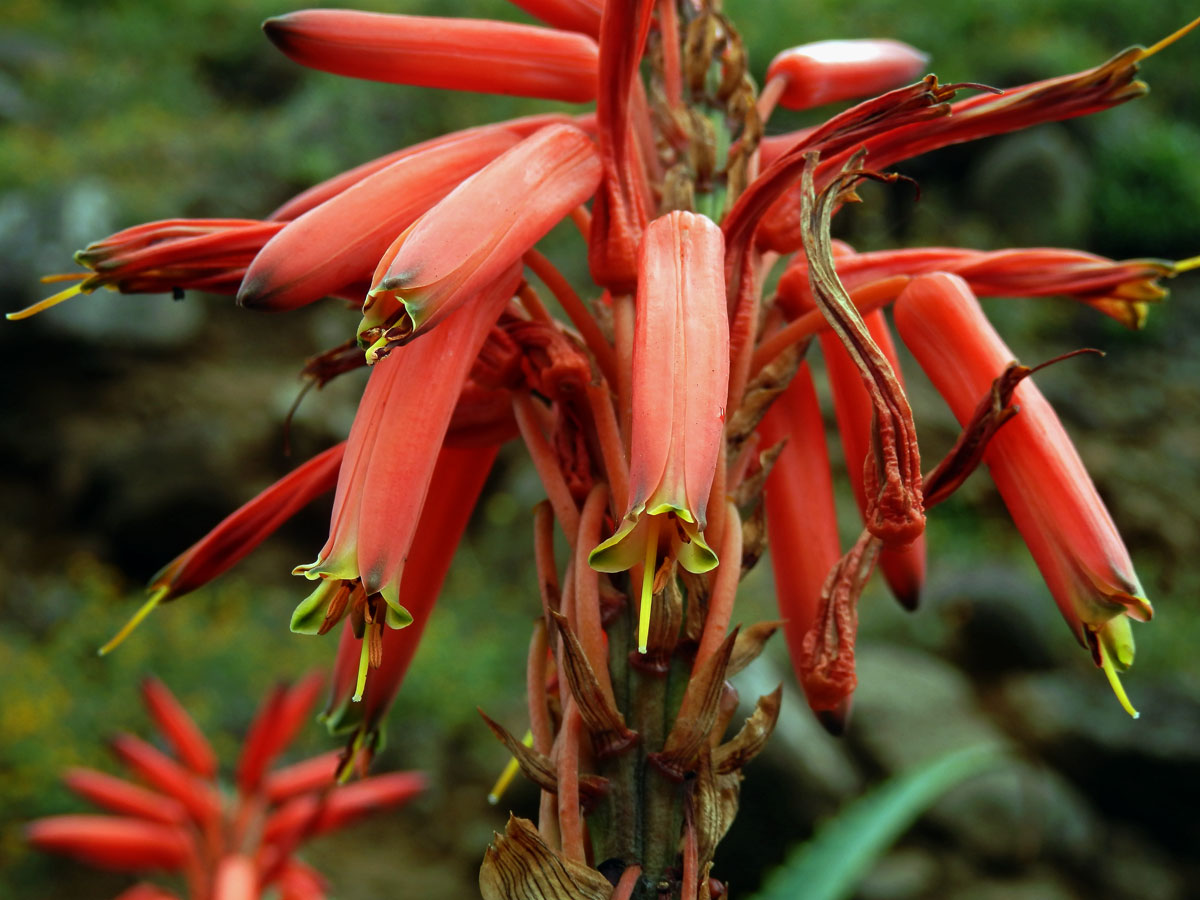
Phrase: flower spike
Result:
[457,54]
[680,382]
[1035,467]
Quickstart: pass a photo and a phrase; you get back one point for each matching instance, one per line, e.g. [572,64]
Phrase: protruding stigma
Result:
[1169,39]
[509,773]
[364,663]
[647,583]
[134,621]
[43,305]
[1114,680]
[1186,265]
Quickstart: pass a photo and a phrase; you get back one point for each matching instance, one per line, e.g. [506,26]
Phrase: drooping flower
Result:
[680,384]
[177,824]
[475,234]
[1035,467]
[390,458]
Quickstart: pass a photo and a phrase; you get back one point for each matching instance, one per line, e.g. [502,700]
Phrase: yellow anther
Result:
[1114,681]
[134,621]
[509,773]
[43,305]
[1169,39]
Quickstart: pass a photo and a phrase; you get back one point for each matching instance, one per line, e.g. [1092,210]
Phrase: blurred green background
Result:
[132,424]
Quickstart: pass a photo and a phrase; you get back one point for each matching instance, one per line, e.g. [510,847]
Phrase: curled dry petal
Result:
[826,663]
[827,71]
[458,54]
[476,233]
[892,474]
[1036,468]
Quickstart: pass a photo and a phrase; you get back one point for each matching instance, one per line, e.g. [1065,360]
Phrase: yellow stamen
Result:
[364,662]
[1169,39]
[43,305]
[647,583]
[1186,265]
[64,276]
[134,622]
[509,773]
[1114,681]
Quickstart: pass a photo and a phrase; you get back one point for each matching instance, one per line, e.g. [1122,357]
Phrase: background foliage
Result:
[132,424]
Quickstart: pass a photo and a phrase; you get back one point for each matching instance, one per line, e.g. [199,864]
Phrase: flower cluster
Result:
[180,821]
[671,413]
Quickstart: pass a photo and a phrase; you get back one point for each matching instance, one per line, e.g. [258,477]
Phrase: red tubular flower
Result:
[475,234]
[230,851]
[237,535]
[162,257]
[111,842]
[827,71]
[1037,470]
[390,458]
[680,384]
[1120,290]
[458,54]
[801,517]
[571,15]
[356,226]
[331,187]
[460,474]
[179,728]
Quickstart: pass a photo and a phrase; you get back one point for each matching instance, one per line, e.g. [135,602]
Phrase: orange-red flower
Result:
[680,382]
[1036,468]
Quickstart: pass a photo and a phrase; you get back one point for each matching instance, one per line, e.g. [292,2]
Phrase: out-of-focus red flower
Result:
[225,845]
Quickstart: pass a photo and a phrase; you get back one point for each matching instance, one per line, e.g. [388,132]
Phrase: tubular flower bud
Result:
[237,535]
[680,383]
[331,187]
[1035,467]
[165,257]
[1119,290]
[356,226]
[481,229]
[826,71]
[570,15]
[457,54]
[111,842]
[801,516]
